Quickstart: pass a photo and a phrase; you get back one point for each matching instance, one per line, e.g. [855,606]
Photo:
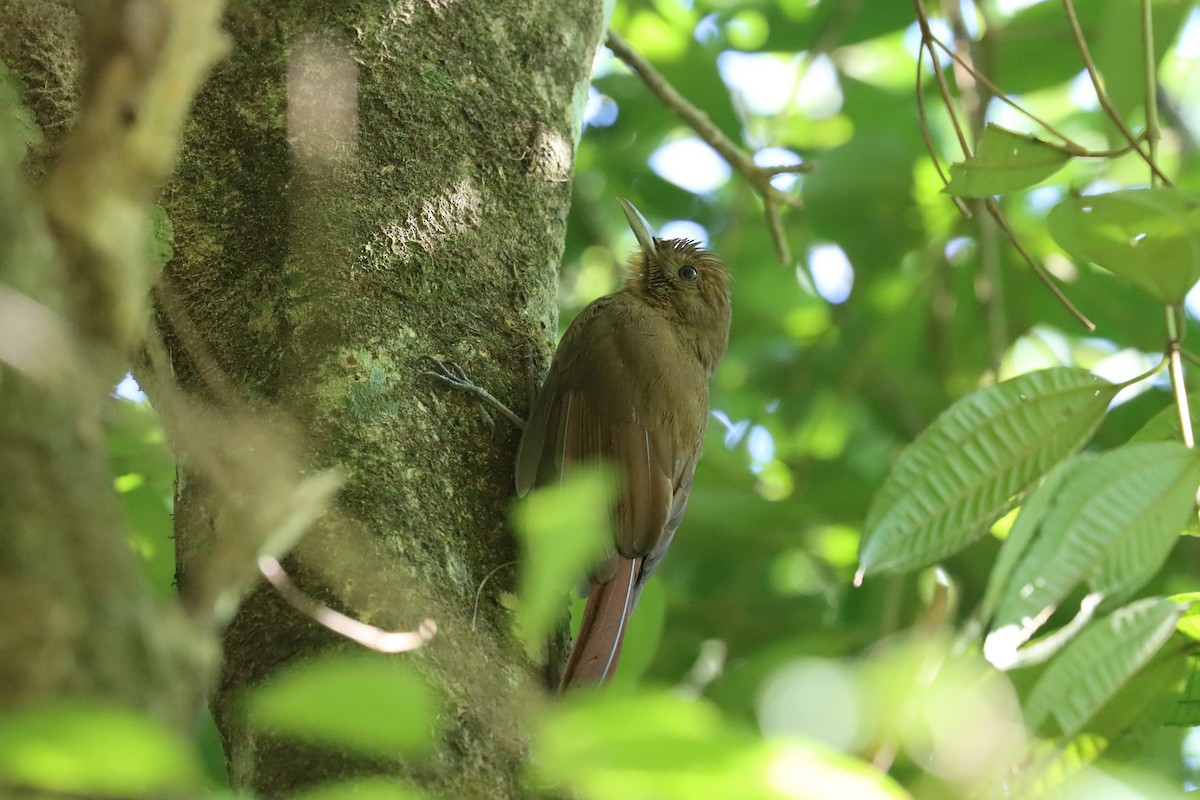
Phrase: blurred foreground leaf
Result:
[564,530]
[372,704]
[657,745]
[1098,662]
[93,751]
[363,789]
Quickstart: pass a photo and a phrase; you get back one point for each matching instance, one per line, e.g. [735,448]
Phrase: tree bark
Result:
[362,186]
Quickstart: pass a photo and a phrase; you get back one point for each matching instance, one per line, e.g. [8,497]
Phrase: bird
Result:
[628,386]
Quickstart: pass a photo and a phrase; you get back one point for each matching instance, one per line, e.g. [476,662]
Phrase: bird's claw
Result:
[449,372]
[453,375]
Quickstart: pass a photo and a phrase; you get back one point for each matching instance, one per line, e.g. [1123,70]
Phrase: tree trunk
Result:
[360,188]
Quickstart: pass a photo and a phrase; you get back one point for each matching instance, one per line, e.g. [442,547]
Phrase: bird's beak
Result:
[641,228]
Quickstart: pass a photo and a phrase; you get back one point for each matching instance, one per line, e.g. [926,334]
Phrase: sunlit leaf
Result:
[1003,162]
[1148,237]
[1187,710]
[1112,525]
[564,530]
[371,704]
[677,749]
[1189,623]
[967,469]
[94,751]
[1035,508]
[1100,660]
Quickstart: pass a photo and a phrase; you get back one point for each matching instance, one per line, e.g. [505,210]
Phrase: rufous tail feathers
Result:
[597,648]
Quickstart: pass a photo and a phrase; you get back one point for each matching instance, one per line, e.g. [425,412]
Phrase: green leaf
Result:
[1187,710]
[678,749]
[970,466]
[1189,623]
[1164,426]
[1098,663]
[95,751]
[1149,537]
[372,704]
[1148,237]
[1113,524]
[1005,161]
[1035,508]
[564,530]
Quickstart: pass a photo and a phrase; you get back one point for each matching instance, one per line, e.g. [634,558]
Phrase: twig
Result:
[479,591]
[1190,357]
[975,96]
[1178,388]
[758,177]
[940,75]
[1102,96]
[1151,85]
[1000,94]
[926,136]
[367,635]
[994,210]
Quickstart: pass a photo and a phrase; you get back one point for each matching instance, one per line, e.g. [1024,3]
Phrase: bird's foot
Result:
[453,375]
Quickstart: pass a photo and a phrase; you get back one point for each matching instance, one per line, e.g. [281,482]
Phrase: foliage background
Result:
[755,609]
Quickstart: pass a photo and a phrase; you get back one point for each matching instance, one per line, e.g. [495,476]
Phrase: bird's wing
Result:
[598,405]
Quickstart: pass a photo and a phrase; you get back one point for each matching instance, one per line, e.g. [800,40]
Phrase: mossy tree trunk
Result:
[360,188]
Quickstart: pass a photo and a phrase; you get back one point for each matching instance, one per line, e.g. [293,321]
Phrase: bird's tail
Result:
[597,648]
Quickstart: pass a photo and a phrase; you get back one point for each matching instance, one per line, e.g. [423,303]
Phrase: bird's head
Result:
[685,280]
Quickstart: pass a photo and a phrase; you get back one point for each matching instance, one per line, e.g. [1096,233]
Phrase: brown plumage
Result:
[629,386]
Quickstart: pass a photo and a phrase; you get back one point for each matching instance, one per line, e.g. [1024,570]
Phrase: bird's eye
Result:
[688,272]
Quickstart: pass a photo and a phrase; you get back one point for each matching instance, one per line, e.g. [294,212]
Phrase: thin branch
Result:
[1190,357]
[479,591]
[940,75]
[975,96]
[1175,330]
[1151,85]
[993,209]
[1002,96]
[926,136]
[788,169]
[1102,96]
[742,162]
